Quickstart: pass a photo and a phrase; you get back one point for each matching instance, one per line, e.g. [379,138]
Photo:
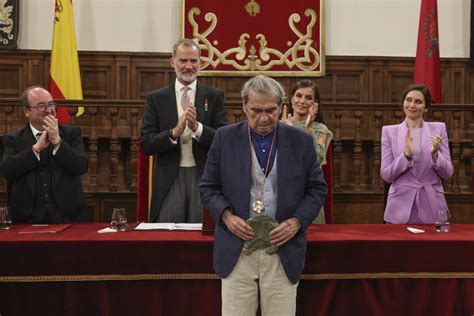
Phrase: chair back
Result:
[329,203]
[144,185]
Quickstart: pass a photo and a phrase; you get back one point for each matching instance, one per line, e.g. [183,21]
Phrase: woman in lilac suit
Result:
[415,160]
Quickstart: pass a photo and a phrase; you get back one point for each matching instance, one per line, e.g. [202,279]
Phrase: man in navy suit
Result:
[178,126]
[261,174]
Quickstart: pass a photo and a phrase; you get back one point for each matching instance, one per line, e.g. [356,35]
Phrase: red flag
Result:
[427,64]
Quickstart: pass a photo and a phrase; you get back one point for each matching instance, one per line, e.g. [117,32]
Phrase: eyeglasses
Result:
[43,106]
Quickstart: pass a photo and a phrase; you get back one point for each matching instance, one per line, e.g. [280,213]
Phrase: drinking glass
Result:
[119,219]
[5,219]
[442,221]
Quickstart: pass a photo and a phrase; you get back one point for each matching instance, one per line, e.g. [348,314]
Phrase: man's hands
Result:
[188,118]
[278,236]
[50,134]
[50,126]
[178,130]
[237,226]
[285,231]
[191,117]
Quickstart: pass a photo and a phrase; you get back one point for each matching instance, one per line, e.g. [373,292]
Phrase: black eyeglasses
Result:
[43,106]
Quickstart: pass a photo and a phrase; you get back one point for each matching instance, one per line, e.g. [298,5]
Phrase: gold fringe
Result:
[212,276]
[109,277]
[389,275]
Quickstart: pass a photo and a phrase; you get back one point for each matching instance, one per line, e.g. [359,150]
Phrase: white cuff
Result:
[197,134]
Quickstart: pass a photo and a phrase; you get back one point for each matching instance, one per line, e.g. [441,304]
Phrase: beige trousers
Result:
[254,272]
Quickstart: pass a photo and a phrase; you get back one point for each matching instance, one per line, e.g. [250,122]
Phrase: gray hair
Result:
[186,42]
[263,85]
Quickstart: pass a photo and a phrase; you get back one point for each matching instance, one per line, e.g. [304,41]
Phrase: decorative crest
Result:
[430,32]
[253,8]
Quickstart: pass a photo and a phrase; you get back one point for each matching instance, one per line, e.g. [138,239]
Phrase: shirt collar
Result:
[259,138]
[178,86]
[34,130]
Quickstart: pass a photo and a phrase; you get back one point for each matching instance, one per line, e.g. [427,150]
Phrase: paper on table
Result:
[169,226]
[415,230]
[44,228]
[106,230]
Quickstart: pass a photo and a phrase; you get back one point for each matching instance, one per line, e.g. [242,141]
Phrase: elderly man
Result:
[43,162]
[263,186]
[178,126]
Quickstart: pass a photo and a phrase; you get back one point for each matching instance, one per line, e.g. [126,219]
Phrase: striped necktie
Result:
[185,98]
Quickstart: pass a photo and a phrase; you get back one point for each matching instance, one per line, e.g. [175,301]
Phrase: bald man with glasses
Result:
[43,162]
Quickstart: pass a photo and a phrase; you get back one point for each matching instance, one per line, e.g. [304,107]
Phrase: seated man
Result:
[43,163]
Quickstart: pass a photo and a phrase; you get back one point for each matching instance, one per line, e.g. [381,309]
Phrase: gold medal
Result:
[258,206]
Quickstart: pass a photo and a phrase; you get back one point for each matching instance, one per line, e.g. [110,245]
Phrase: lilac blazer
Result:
[421,186]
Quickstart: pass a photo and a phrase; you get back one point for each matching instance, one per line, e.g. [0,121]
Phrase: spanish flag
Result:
[64,74]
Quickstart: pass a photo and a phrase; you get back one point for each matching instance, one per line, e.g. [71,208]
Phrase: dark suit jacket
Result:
[20,166]
[226,183]
[159,117]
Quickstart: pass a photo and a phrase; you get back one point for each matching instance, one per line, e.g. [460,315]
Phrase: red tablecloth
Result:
[350,269]
[388,248]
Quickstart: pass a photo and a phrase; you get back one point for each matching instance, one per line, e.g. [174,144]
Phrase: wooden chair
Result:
[329,203]
[144,186]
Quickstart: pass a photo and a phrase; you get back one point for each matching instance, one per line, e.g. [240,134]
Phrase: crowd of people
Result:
[260,179]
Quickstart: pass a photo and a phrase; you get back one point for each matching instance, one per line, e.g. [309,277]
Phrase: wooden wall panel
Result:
[122,75]
[376,76]
[397,79]
[350,208]
[122,80]
[469,87]
[326,89]
[148,74]
[354,93]
[36,71]
[231,88]
[12,74]
[98,74]
[97,82]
